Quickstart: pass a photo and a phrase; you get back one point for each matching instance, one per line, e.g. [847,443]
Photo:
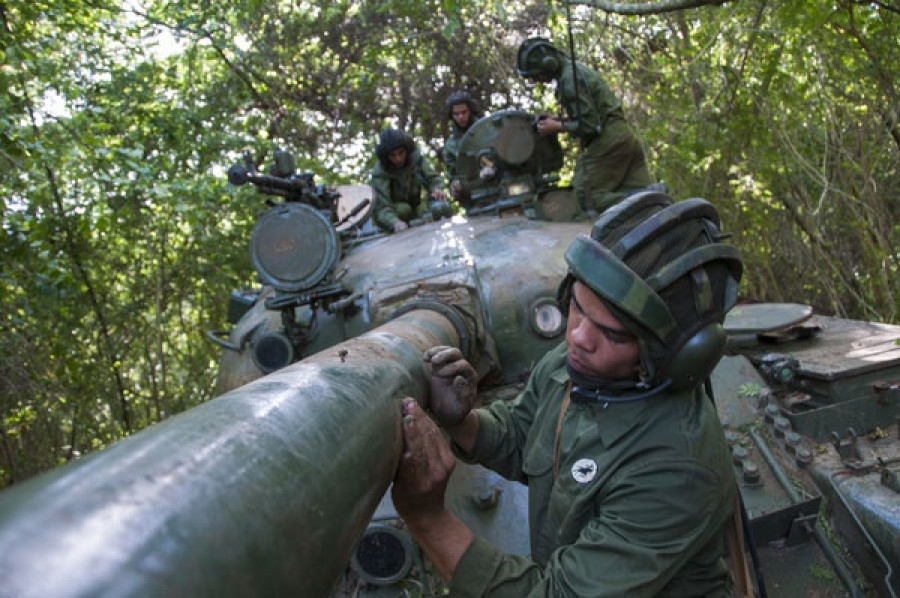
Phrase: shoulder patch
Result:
[584,471]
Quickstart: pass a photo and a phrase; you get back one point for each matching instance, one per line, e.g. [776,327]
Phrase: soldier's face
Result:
[397,157]
[462,116]
[599,344]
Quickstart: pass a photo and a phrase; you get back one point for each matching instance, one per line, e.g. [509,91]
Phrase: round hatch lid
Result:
[754,318]
[515,141]
[293,247]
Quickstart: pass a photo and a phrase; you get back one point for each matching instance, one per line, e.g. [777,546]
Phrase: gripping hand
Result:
[454,385]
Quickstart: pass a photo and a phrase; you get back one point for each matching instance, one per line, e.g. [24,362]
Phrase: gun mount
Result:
[284,181]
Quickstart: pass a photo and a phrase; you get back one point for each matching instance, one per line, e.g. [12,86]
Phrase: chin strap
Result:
[588,390]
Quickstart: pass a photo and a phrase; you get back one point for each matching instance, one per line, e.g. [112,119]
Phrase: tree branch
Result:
[882,5]
[646,8]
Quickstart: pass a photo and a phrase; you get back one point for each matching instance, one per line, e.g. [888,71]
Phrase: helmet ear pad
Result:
[550,64]
[537,56]
[694,360]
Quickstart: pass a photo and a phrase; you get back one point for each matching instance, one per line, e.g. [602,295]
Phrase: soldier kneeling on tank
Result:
[398,179]
[629,478]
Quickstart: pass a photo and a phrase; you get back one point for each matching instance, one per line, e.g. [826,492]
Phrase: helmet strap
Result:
[587,390]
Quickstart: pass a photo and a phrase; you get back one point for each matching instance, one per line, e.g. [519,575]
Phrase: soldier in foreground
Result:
[630,484]
[397,181]
[611,162]
[462,111]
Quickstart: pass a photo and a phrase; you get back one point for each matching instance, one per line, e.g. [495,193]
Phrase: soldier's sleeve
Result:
[451,155]
[585,117]
[504,426]
[484,570]
[383,211]
[430,179]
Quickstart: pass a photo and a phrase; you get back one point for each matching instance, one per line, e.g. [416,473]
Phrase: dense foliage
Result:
[121,240]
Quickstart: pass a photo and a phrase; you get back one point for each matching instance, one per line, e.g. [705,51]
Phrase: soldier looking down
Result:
[611,161]
[398,179]
[629,478]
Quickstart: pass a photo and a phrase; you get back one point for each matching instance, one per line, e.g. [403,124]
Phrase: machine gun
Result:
[284,181]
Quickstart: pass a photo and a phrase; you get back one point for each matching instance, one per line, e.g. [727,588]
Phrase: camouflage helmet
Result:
[462,97]
[390,140]
[662,270]
[537,57]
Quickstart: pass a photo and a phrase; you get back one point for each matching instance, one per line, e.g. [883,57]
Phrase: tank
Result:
[279,486]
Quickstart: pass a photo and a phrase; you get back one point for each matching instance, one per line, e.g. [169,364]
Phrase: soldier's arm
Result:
[585,118]
[418,492]
[430,179]
[384,213]
[450,159]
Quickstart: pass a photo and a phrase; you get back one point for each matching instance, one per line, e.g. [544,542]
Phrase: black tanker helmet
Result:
[664,272]
[537,57]
[462,97]
[390,140]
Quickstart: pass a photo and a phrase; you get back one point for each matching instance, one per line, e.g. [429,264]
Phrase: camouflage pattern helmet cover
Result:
[390,140]
[662,270]
[537,57]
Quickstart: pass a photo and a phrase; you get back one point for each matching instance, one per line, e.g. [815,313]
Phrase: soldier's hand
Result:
[454,385]
[399,226]
[439,194]
[548,126]
[425,465]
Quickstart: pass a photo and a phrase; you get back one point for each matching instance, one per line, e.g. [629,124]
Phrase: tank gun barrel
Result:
[263,491]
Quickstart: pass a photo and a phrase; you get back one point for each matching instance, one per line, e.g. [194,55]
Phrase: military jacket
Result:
[451,152]
[403,185]
[595,105]
[639,505]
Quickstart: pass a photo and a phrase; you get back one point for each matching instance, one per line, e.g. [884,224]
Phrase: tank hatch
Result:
[835,374]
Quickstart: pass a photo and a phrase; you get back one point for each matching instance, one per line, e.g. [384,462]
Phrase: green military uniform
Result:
[451,156]
[398,192]
[643,494]
[451,152]
[452,143]
[611,161]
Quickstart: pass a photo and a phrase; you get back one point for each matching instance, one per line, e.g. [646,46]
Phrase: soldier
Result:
[397,181]
[629,479]
[611,162]
[462,111]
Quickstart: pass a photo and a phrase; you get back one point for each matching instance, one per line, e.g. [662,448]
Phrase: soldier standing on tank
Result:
[462,112]
[397,181]
[611,162]
[629,478]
